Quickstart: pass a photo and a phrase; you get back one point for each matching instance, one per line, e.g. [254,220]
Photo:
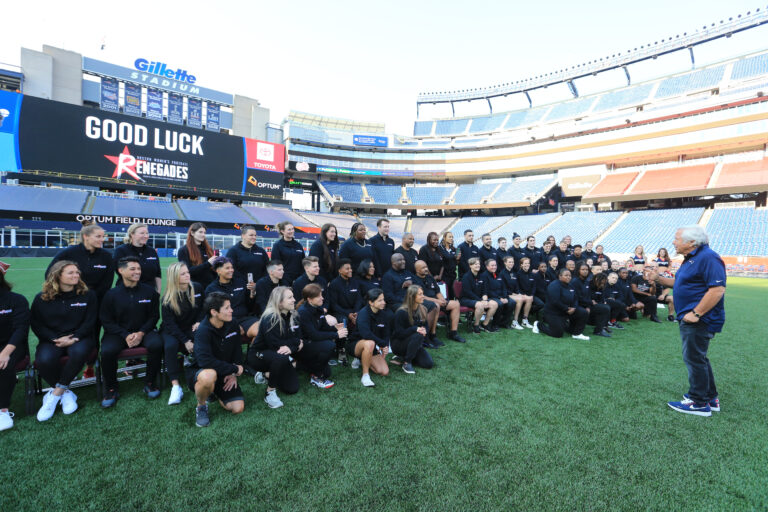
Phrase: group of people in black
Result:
[350,302]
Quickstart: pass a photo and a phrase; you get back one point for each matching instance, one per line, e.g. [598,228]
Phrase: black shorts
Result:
[468,303]
[350,348]
[247,322]
[232,395]
[429,305]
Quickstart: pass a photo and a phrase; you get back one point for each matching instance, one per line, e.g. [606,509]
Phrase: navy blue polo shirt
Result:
[701,270]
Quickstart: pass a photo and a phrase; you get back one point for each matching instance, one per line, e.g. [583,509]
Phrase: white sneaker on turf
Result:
[517,326]
[367,382]
[580,337]
[176,395]
[259,378]
[535,327]
[50,401]
[356,363]
[68,402]
[527,324]
[6,420]
[272,400]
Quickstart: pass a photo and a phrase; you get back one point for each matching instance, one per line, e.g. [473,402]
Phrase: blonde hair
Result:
[51,286]
[272,311]
[88,230]
[411,307]
[131,230]
[174,295]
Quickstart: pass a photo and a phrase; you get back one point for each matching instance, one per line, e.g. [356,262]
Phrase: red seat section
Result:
[740,174]
[612,185]
[664,181]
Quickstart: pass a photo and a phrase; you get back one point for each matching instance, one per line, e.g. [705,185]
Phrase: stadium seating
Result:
[739,174]
[473,193]
[524,225]
[349,192]
[40,199]
[422,194]
[612,185]
[385,194]
[747,68]
[213,212]
[581,226]
[271,216]
[422,226]
[623,97]
[479,225]
[396,226]
[688,82]
[306,133]
[451,126]
[525,117]
[342,222]
[650,228]
[571,108]
[487,123]
[739,231]
[678,179]
[422,128]
[133,207]
[521,190]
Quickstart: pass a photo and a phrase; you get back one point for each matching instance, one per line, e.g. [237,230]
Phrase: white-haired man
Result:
[699,296]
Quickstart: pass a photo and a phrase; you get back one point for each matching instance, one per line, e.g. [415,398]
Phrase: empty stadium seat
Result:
[689,82]
[650,228]
[747,68]
[678,179]
[423,194]
[342,222]
[385,194]
[487,123]
[349,192]
[473,193]
[524,225]
[422,128]
[422,226]
[525,117]
[739,231]
[571,108]
[478,225]
[271,216]
[740,174]
[133,207]
[451,126]
[612,185]
[42,199]
[522,190]
[213,212]
[581,226]
[623,97]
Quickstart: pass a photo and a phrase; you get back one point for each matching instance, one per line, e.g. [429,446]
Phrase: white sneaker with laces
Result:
[259,378]
[517,326]
[535,327]
[6,420]
[527,324]
[68,402]
[272,400]
[176,395]
[50,401]
[356,363]
[580,337]
[367,382]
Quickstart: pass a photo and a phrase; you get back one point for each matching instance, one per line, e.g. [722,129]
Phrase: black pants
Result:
[555,324]
[618,310]
[8,377]
[503,316]
[599,315]
[412,351]
[650,304]
[314,357]
[48,357]
[282,374]
[112,345]
[449,280]
[171,349]
[537,305]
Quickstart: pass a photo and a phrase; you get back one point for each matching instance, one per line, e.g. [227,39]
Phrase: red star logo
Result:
[124,163]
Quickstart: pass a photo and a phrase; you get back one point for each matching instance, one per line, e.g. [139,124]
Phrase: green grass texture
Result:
[509,421]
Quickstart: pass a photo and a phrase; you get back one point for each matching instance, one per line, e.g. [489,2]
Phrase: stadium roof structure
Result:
[685,41]
[335,123]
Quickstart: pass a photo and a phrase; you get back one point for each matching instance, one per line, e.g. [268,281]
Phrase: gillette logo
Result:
[161,69]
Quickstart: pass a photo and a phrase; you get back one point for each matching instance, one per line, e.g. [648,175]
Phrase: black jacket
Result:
[488,254]
[344,297]
[392,282]
[382,253]
[263,289]
[467,252]
[96,268]
[355,252]
[542,282]
[410,256]
[433,259]
[473,287]
[327,269]
[535,255]
[364,285]
[68,313]
[314,327]
[510,282]
[127,310]
[494,285]
[248,261]
[527,282]
[14,321]
[273,339]
[374,326]
[449,262]
[560,297]
[428,285]
[583,291]
[402,327]
[202,273]
[239,296]
[218,349]
[303,280]
[148,259]
[290,254]
[180,325]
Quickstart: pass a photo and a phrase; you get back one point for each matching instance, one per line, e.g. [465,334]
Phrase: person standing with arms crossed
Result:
[698,290]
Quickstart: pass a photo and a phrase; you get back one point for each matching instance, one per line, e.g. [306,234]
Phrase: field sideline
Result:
[512,421]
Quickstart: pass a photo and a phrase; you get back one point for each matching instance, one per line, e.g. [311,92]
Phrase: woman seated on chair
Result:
[63,318]
[410,331]
[14,329]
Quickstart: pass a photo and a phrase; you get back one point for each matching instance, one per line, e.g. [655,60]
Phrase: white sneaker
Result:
[176,395]
[367,382]
[517,326]
[356,363]
[527,324]
[68,402]
[259,378]
[6,420]
[272,400]
[50,401]
[535,327]
[580,337]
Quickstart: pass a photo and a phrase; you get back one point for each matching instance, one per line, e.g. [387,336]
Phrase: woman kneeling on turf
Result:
[63,319]
[410,331]
[319,336]
[373,328]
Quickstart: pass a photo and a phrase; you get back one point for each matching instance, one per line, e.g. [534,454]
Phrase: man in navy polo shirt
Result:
[699,296]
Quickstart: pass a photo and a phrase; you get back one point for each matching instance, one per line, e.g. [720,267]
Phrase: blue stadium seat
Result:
[701,79]
[213,212]
[133,207]
[385,194]
[423,194]
[487,123]
[652,229]
[524,225]
[747,68]
[624,97]
[581,226]
[520,190]
[473,193]
[451,126]
[525,117]
[478,225]
[349,192]
[42,199]
[739,231]
[422,128]
[571,108]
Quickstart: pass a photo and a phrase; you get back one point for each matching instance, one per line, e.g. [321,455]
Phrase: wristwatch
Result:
[695,313]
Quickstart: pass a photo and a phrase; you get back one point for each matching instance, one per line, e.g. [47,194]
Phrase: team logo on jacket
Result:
[5,311]
[79,304]
[230,335]
[145,301]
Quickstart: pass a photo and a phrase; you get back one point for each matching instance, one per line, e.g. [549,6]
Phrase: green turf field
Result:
[506,422]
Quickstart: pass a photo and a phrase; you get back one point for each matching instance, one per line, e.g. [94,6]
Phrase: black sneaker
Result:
[408,368]
[603,333]
[454,335]
[654,318]
[670,318]
[110,398]
[201,416]
[476,329]
[492,328]
[618,326]
[437,343]
[484,328]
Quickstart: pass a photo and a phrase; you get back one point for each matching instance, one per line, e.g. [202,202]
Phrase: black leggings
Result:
[650,304]
[48,357]
[618,310]
[8,377]
[599,315]
[314,357]
[112,345]
[503,315]
[412,350]
[171,348]
[282,374]
[555,324]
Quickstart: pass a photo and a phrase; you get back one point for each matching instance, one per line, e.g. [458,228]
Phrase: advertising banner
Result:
[132,100]
[154,104]
[109,95]
[194,113]
[370,140]
[175,109]
[212,117]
